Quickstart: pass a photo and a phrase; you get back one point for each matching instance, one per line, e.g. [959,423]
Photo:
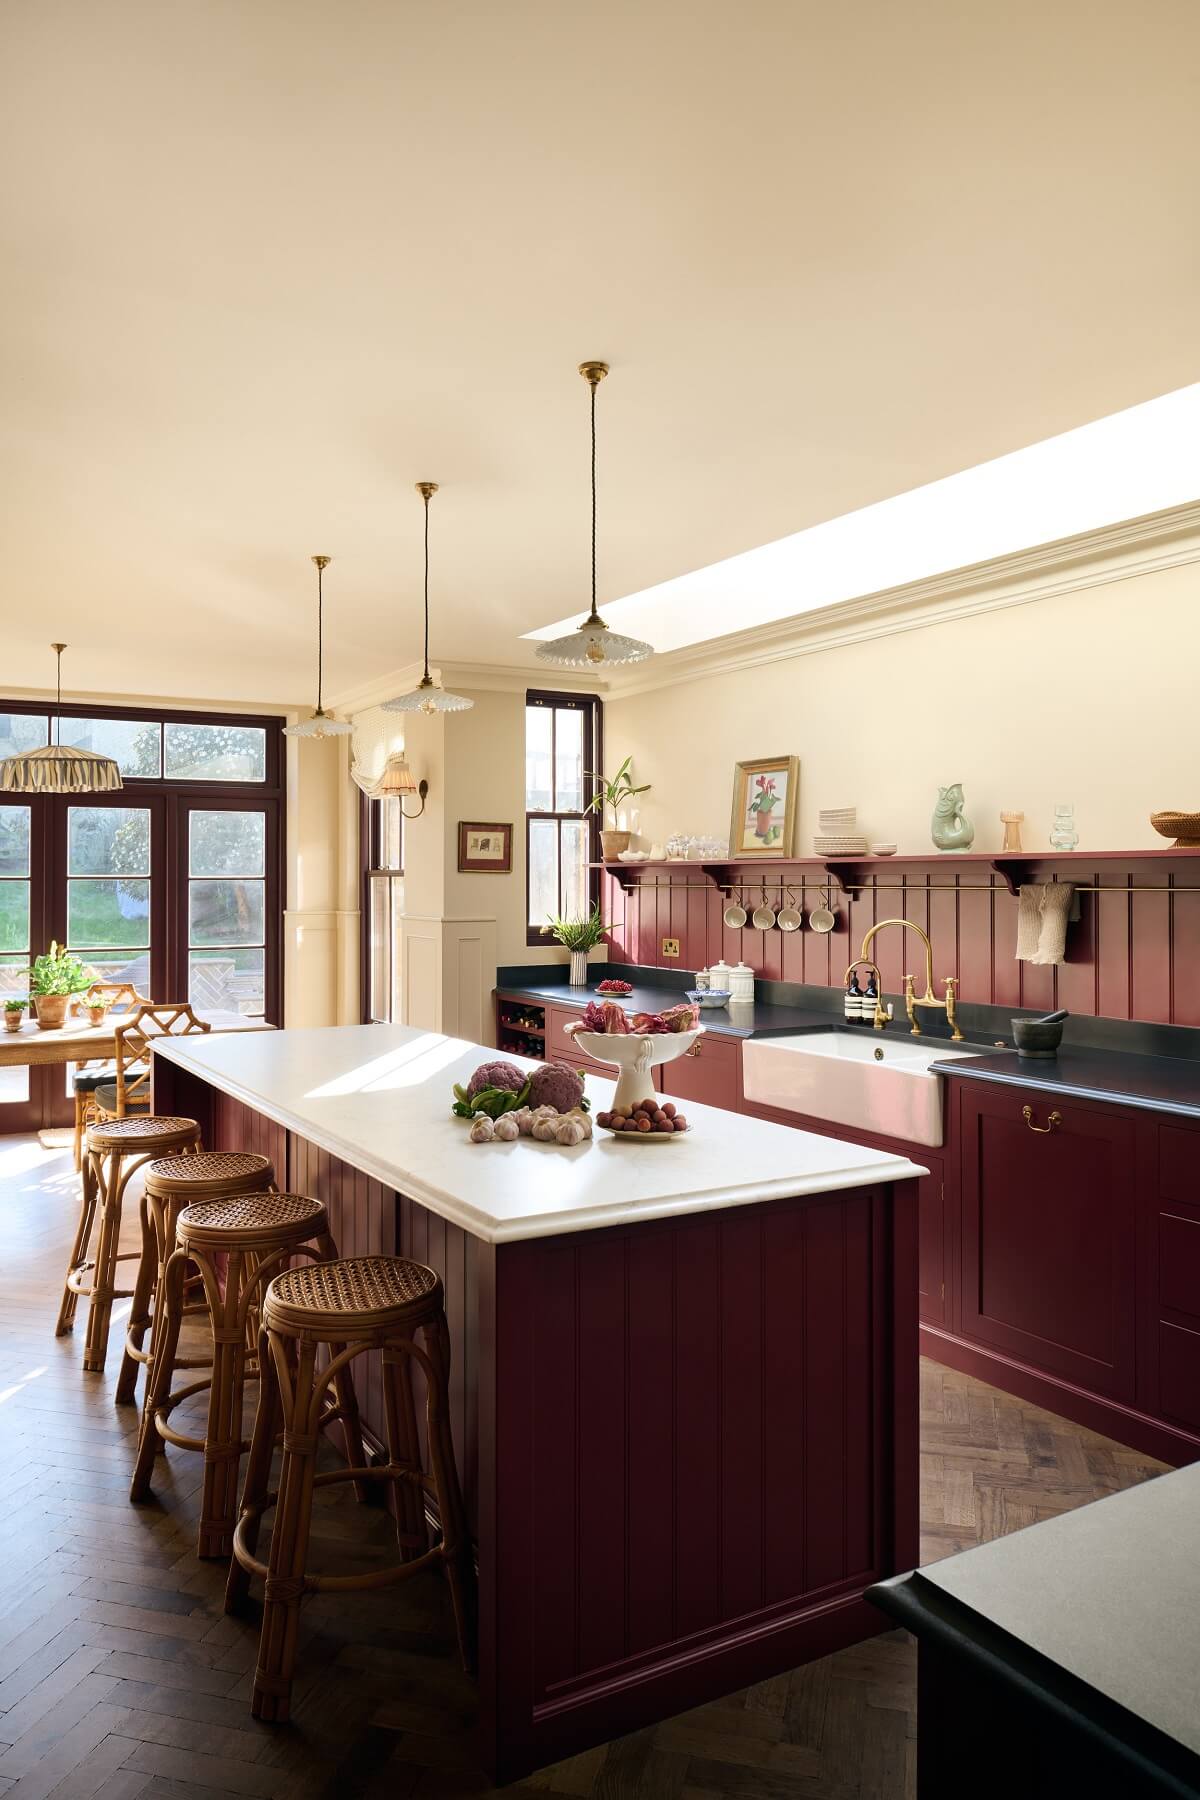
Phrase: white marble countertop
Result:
[378,1097]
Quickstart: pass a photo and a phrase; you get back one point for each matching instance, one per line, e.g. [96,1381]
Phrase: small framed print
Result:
[484,849]
[765,795]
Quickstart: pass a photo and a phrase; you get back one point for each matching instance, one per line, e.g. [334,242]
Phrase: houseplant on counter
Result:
[579,936]
[612,794]
[13,1010]
[56,975]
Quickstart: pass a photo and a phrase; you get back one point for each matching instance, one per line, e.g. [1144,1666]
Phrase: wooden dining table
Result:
[79,1042]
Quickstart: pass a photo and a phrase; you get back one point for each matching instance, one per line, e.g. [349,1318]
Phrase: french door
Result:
[177,892]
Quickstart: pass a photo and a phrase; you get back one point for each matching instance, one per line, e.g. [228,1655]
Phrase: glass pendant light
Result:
[56,769]
[592,642]
[322,724]
[427,697]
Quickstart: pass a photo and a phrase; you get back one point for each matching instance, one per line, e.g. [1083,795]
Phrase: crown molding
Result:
[1156,541]
[1161,540]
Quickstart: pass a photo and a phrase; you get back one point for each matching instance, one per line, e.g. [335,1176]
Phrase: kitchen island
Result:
[684,1378]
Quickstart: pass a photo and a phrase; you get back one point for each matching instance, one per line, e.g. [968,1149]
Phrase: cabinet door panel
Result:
[1048,1222]
[931,1238]
[710,1076]
[1179,1374]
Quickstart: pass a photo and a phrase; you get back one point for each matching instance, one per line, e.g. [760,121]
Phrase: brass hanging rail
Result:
[898,887]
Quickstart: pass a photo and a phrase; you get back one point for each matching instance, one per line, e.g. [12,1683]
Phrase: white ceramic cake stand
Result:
[635,1055]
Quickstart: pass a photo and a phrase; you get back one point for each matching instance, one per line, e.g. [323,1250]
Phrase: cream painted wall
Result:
[1086,697]
[485,782]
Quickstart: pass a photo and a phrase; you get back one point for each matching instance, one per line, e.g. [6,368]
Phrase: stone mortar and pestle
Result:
[1039,1037]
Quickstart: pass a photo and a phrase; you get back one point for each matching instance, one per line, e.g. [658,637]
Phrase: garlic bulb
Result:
[482,1130]
[507,1128]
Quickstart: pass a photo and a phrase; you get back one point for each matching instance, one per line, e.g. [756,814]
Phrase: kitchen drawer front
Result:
[1048,1235]
[1179,1165]
[709,1075]
[1179,1374]
[558,1041]
[1179,1264]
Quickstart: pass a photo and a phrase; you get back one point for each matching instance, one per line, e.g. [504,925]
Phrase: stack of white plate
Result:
[837,835]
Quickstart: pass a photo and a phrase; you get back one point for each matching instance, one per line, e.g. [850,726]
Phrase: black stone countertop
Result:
[1168,1084]
[745,1019]
[1108,1595]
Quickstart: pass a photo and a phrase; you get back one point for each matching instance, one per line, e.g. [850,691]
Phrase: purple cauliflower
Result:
[495,1075]
[557,1085]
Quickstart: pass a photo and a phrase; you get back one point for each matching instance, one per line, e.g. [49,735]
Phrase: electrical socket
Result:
[670,946]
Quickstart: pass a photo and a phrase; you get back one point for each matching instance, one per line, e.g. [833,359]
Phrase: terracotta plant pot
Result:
[13,1021]
[96,1014]
[613,842]
[51,1011]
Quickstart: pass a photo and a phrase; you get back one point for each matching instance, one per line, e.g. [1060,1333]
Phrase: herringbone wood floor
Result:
[120,1677]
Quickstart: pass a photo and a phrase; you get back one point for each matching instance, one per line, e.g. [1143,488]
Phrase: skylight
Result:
[1134,462]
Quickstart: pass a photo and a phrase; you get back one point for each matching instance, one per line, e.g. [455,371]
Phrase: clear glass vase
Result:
[1064,835]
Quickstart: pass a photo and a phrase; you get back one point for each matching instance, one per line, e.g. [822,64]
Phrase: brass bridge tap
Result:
[912,1000]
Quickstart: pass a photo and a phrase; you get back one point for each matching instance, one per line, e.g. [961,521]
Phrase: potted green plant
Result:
[96,1004]
[56,975]
[578,936]
[13,1009]
[612,794]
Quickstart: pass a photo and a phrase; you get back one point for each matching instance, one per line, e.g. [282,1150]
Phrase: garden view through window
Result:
[561,736]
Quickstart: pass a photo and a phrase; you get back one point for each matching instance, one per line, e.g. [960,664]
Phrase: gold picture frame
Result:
[766,795]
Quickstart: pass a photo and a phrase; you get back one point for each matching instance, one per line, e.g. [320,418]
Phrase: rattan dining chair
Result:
[90,1076]
[129,1091]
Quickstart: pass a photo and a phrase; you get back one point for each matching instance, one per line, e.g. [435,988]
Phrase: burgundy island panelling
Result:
[1132,954]
[688,1445]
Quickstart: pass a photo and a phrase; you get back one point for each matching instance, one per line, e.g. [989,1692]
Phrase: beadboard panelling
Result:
[1132,955]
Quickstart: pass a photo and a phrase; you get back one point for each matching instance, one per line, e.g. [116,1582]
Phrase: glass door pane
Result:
[108,891]
[226,912]
[14,933]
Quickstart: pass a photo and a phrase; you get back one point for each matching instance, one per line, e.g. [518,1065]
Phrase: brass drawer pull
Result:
[1054,1119]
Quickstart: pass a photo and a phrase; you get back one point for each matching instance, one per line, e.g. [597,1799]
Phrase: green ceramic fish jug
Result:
[950,826]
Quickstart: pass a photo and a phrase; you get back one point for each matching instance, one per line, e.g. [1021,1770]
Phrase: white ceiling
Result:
[267,265]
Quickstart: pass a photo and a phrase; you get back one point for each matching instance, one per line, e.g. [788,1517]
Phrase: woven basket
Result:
[1183,827]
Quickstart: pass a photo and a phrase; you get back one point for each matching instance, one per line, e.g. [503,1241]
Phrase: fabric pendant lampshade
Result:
[58,768]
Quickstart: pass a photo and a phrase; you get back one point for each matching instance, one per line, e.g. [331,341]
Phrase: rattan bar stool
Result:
[367,1303]
[256,1235]
[170,1184]
[115,1151]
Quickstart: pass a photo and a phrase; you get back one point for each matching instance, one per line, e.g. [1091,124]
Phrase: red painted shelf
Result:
[1012,867]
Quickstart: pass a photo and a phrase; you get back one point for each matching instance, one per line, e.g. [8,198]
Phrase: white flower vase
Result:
[579,968]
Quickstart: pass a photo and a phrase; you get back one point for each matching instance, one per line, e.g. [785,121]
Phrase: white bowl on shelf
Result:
[635,1054]
[883,849]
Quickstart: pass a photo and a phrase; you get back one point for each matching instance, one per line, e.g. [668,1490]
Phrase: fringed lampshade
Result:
[59,768]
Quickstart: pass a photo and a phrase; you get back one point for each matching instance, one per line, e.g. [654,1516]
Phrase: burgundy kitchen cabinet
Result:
[709,1074]
[1049,1210]
[1169,1343]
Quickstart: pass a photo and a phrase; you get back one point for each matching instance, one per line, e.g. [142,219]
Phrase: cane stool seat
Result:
[115,1151]
[363,1303]
[145,1132]
[170,1183]
[357,1298]
[247,1221]
[254,1235]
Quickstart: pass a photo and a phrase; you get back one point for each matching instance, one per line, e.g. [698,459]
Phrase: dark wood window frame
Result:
[169,800]
[592,708]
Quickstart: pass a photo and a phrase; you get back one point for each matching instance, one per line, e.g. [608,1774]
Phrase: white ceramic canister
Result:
[741,982]
[701,981]
[720,976]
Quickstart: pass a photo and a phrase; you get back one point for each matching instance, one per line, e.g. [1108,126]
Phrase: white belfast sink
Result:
[868,1079]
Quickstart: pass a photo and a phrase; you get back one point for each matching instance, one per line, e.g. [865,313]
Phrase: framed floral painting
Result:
[766,795]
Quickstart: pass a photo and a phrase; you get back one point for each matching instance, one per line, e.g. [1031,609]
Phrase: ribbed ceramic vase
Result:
[579,968]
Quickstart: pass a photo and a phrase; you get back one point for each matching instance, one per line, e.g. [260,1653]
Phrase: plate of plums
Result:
[650,1121]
